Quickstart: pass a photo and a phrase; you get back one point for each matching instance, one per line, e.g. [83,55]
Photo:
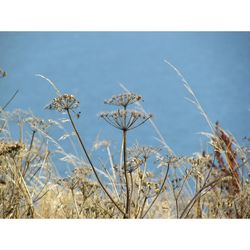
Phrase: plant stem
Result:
[198,208]
[75,203]
[191,203]
[162,185]
[127,215]
[131,190]
[29,152]
[10,100]
[91,164]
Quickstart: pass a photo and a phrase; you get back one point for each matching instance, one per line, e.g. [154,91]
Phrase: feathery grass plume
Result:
[194,99]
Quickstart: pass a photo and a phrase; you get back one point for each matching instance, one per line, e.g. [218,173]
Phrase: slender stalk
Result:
[10,100]
[131,189]
[176,202]
[74,200]
[91,164]
[111,162]
[198,208]
[162,185]
[28,156]
[143,206]
[127,215]
[187,209]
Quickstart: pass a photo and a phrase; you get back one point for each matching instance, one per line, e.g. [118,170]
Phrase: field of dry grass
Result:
[211,184]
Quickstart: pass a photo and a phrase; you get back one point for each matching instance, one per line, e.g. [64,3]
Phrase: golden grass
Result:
[213,184]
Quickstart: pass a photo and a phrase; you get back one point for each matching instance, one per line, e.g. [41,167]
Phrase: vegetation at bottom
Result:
[135,181]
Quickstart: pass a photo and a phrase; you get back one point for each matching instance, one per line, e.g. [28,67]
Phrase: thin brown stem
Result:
[131,189]
[75,203]
[28,160]
[162,185]
[143,206]
[127,215]
[10,100]
[194,199]
[91,164]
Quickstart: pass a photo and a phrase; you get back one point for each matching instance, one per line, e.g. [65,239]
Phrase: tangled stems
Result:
[90,162]
[125,120]
[156,197]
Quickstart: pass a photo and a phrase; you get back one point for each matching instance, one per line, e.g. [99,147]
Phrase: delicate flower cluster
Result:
[150,188]
[79,181]
[199,164]
[37,123]
[69,182]
[125,119]
[12,149]
[133,164]
[82,171]
[123,99]
[142,152]
[167,160]
[199,160]
[64,103]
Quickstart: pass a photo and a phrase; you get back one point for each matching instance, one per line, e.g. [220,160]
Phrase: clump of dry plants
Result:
[142,182]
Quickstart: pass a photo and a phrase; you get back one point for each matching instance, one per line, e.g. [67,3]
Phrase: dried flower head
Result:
[63,103]
[18,116]
[125,119]
[68,182]
[123,99]
[133,164]
[167,160]
[199,159]
[82,171]
[37,123]
[142,152]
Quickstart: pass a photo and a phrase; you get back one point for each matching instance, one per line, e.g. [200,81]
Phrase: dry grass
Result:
[213,184]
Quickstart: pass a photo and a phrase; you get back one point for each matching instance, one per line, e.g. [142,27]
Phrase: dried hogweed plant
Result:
[68,103]
[126,120]
[144,183]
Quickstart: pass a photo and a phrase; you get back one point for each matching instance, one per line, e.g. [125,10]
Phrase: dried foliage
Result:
[145,181]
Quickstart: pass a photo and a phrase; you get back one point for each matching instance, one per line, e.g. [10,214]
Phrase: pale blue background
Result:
[90,65]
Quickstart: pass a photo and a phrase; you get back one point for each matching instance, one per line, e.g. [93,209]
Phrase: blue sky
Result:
[91,65]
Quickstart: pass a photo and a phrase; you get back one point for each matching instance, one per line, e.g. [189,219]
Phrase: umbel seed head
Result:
[63,103]
[123,99]
[125,119]
[37,124]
